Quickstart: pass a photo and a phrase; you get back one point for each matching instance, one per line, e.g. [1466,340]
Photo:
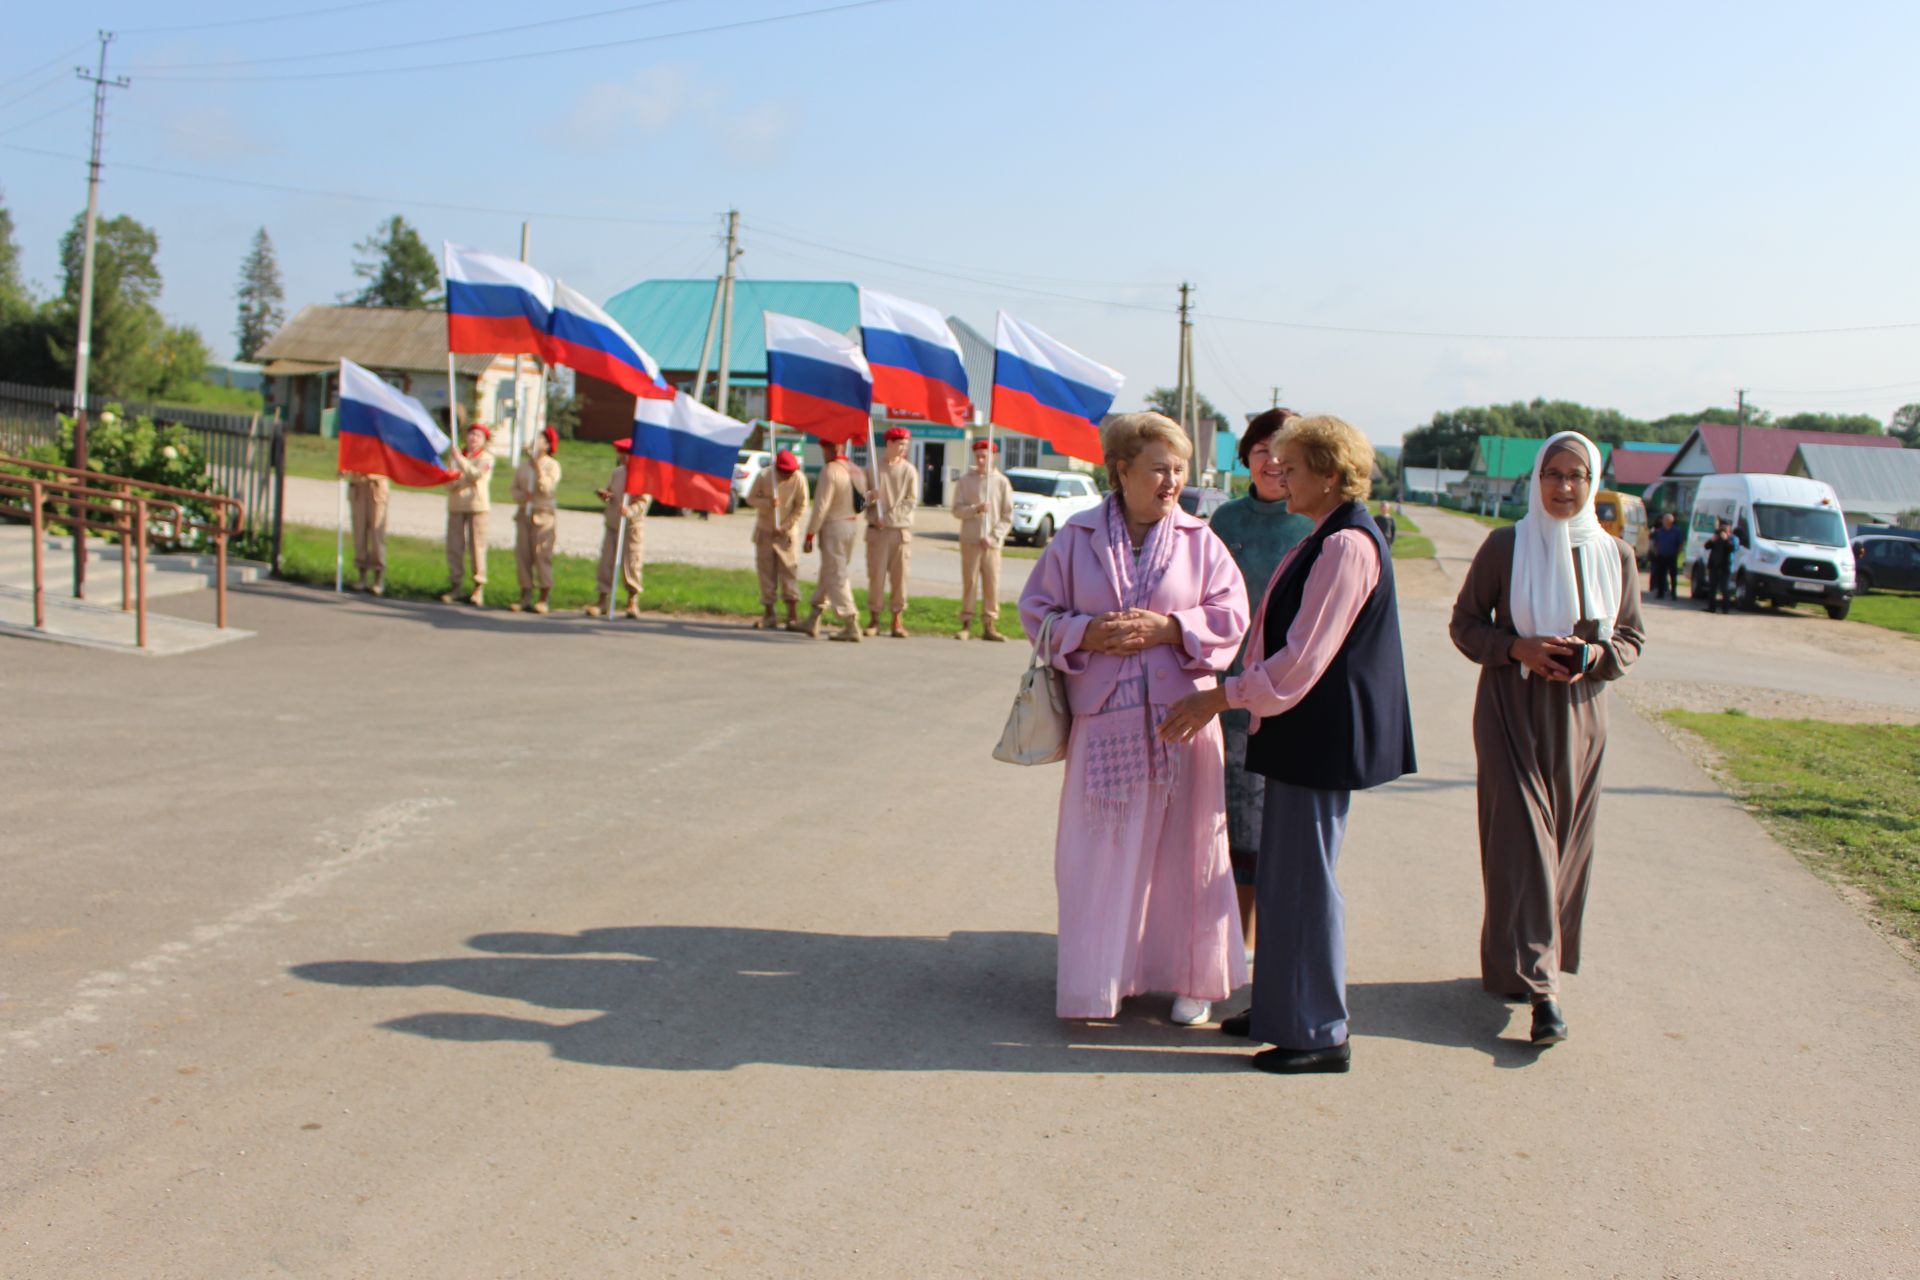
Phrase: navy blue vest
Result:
[1354,729]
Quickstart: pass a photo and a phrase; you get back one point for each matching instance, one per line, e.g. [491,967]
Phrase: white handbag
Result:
[1038,725]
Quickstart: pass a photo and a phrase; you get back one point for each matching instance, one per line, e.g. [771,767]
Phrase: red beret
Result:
[624,446]
[897,433]
[983,445]
[784,461]
[482,428]
[553,440]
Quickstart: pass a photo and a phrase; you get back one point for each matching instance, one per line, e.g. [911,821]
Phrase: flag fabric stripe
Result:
[1042,387]
[385,432]
[817,380]
[916,361]
[683,453]
[1045,387]
[495,306]
[369,455]
[1068,433]
[826,420]
[839,384]
[585,337]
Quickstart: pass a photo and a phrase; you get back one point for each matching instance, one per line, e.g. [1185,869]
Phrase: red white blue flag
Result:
[684,453]
[496,306]
[817,380]
[584,337]
[386,433]
[1042,387]
[917,372]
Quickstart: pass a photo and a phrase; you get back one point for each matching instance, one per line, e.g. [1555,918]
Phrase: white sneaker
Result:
[1189,1012]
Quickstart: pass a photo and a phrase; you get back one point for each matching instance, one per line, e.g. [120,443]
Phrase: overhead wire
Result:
[42,87]
[256,20]
[450,38]
[159,76]
[10,81]
[75,105]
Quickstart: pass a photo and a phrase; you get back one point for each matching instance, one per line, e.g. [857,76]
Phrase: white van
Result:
[1793,540]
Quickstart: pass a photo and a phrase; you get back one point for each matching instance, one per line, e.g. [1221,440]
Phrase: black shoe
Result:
[1301,1062]
[1549,1026]
[1516,997]
[1240,1024]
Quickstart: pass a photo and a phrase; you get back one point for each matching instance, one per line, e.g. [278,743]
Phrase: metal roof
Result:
[402,338]
[669,318]
[1767,450]
[1876,480]
[1629,465]
[1511,457]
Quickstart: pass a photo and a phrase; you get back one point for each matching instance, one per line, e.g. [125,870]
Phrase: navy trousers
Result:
[1300,954]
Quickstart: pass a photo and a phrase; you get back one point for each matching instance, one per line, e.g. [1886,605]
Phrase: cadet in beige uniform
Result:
[778,508]
[890,532]
[983,500]
[468,506]
[534,484]
[832,523]
[625,536]
[367,503]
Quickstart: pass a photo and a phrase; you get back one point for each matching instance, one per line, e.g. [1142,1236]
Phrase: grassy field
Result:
[1408,542]
[584,467]
[417,570]
[1844,797]
[1894,610]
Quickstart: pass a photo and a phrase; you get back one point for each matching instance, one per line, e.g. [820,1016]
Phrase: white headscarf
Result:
[1546,595]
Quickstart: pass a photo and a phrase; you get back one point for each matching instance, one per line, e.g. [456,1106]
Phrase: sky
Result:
[1385,209]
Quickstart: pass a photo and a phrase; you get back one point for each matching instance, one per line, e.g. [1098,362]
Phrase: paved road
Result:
[722,542]
[686,950]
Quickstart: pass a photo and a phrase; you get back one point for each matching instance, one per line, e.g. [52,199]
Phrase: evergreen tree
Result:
[14,299]
[261,298]
[399,269]
[1906,425]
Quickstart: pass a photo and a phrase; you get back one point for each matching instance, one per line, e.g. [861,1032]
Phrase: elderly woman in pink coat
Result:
[1147,607]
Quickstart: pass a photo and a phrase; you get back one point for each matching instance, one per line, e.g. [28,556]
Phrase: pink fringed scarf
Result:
[1124,749]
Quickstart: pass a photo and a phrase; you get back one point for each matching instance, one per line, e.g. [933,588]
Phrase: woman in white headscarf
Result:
[1551,612]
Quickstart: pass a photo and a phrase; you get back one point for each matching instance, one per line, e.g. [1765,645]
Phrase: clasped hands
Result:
[1129,631]
[1539,654]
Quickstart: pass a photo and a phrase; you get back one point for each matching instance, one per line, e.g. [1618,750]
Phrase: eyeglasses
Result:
[1575,479]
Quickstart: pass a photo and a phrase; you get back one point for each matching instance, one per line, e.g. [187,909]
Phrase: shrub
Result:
[140,450]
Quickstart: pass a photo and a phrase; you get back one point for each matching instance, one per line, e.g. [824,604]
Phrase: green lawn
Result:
[1844,797]
[1408,542]
[584,467]
[1894,610]
[417,570]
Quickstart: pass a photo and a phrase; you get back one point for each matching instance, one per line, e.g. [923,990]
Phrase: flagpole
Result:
[986,498]
[340,537]
[879,504]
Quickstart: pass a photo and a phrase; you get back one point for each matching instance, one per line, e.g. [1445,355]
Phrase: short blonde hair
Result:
[1125,435]
[1333,447]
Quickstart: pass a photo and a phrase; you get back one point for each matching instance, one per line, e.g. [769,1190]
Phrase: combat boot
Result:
[991,631]
[599,608]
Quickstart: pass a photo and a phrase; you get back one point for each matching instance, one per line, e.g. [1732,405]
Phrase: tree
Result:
[24,356]
[1906,425]
[180,363]
[127,330]
[1167,400]
[15,301]
[1858,424]
[400,270]
[261,298]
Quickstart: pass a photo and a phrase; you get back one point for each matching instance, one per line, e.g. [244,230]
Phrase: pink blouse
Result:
[1337,586]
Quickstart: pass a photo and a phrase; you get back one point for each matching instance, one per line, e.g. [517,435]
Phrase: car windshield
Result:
[1604,511]
[1819,526]
[1190,501]
[1042,485]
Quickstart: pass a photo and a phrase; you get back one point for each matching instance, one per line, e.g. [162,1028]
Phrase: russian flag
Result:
[1042,387]
[495,306]
[817,380]
[385,433]
[582,336]
[915,360]
[684,453]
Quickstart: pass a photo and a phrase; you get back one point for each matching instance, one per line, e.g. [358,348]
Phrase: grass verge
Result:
[417,570]
[1894,610]
[584,467]
[1408,542]
[1844,797]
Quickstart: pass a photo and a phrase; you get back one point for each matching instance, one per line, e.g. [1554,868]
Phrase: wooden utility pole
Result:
[726,305]
[83,342]
[1183,384]
[1740,431]
[1275,402]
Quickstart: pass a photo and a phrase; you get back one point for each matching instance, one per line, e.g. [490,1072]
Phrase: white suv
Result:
[1043,500]
[747,469]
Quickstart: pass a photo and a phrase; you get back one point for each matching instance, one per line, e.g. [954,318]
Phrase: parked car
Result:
[1043,501]
[747,469]
[1886,563]
[1203,502]
[1625,517]
[1793,542]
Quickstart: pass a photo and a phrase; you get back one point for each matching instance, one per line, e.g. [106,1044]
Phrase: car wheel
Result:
[1838,612]
[1697,582]
[1044,533]
[1744,593]
[1865,581]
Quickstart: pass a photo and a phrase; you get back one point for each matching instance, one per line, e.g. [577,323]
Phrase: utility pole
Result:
[83,342]
[1740,431]
[1275,404]
[726,305]
[1183,380]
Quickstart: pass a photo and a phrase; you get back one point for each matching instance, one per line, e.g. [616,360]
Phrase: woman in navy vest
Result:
[1326,685]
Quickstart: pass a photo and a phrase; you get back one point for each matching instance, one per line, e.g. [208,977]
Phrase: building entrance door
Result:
[932,462]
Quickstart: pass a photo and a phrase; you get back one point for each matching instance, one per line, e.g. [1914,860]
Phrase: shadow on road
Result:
[673,998]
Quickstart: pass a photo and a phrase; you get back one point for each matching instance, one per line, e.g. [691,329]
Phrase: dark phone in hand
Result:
[1572,663]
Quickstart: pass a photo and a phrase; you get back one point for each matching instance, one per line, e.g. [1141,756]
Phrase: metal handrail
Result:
[116,504]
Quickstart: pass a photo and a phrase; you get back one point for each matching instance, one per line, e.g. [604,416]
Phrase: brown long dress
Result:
[1539,745]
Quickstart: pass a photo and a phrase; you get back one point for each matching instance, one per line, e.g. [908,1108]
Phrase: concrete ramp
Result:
[98,622]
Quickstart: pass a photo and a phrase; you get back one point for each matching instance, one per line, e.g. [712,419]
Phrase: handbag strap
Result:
[1038,658]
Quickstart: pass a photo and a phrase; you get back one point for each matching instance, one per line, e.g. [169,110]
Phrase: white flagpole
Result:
[340,537]
[986,517]
[880,505]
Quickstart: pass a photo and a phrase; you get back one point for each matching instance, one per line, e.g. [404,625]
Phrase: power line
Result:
[1833,391]
[44,115]
[408,44]
[1731,335]
[973,272]
[290,189]
[256,21]
[158,74]
[59,77]
[53,61]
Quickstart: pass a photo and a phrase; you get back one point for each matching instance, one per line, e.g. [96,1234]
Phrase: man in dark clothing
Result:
[1667,541]
[1721,548]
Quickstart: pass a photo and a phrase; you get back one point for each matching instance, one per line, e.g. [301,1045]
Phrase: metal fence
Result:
[246,453]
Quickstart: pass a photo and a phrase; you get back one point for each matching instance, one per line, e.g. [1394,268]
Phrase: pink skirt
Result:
[1148,906]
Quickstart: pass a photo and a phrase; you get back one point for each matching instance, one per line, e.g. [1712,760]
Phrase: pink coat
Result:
[1202,591]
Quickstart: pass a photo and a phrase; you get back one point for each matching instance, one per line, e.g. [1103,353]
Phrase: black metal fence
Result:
[246,453]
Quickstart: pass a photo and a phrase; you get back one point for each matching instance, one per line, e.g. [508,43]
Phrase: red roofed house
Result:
[1717,448]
